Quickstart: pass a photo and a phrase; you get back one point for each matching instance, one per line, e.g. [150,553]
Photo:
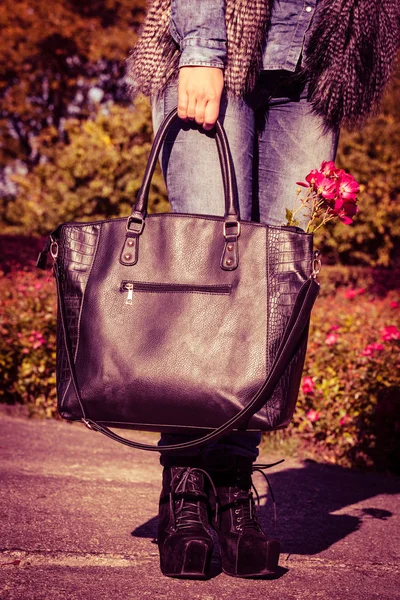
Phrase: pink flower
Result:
[377,347]
[308,385]
[331,339]
[367,351]
[344,210]
[333,193]
[37,344]
[344,420]
[328,168]
[394,304]
[328,189]
[350,294]
[38,285]
[371,348]
[313,415]
[334,327]
[348,187]
[390,333]
[313,179]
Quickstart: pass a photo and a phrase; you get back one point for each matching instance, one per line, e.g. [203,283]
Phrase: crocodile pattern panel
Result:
[289,258]
[76,252]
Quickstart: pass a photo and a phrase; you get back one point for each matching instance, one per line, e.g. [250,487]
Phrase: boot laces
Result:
[245,516]
[245,510]
[186,511]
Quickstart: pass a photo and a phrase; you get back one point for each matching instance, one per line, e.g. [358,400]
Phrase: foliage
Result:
[96,174]
[49,59]
[27,341]
[349,405]
[372,155]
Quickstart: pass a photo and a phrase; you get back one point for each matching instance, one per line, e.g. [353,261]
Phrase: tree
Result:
[96,174]
[50,57]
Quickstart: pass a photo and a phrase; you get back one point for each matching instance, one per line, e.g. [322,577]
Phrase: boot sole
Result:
[273,553]
[196,562]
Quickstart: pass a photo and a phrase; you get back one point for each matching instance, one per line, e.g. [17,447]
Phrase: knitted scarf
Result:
[349,57]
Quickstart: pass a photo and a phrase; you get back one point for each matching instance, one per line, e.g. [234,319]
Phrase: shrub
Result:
[372,155]
[27,341]
[349,404]
[96,174]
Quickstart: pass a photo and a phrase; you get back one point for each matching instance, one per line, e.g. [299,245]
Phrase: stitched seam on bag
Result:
[161,426]
[267,275]
[65,347]
[188,216]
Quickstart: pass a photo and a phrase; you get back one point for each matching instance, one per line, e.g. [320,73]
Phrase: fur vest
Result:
[349,57]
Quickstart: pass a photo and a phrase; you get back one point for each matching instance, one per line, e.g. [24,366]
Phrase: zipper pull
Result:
[129,298]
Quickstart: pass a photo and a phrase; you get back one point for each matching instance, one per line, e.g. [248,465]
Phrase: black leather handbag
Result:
[181,323]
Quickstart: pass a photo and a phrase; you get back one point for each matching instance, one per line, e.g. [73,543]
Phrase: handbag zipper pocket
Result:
[141,286]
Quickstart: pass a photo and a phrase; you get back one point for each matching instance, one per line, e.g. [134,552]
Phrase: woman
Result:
[282,79]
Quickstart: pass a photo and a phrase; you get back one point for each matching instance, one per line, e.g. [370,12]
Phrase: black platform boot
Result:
[184,539]
[246,551]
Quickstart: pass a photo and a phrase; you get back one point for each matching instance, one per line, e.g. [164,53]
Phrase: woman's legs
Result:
[193,176]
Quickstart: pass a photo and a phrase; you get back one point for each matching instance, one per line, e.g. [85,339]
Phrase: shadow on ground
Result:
[307,500]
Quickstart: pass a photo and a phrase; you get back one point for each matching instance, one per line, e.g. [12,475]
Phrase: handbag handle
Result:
[295,330]
[230,190]
[136,220]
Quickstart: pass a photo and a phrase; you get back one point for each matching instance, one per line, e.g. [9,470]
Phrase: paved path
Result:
[78,521]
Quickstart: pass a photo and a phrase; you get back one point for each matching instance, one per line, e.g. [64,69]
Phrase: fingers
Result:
[211,114]
[199,94]
[191,106]
[183,100]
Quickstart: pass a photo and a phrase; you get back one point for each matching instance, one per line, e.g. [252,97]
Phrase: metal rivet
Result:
[130,243]
[229,247]
[229,262]
[127,256]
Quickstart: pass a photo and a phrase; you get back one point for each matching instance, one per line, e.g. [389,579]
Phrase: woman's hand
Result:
[199,94]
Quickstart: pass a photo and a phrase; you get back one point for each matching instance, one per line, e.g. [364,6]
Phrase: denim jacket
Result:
[199,29]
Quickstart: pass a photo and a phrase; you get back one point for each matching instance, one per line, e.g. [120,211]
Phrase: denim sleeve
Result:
[199,29]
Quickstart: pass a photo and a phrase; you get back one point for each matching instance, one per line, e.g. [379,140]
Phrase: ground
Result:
[79,513]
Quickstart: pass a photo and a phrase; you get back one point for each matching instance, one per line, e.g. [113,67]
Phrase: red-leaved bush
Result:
[349,403]
[27,340]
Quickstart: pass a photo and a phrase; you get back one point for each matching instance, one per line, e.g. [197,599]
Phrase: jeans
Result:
[275,140]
